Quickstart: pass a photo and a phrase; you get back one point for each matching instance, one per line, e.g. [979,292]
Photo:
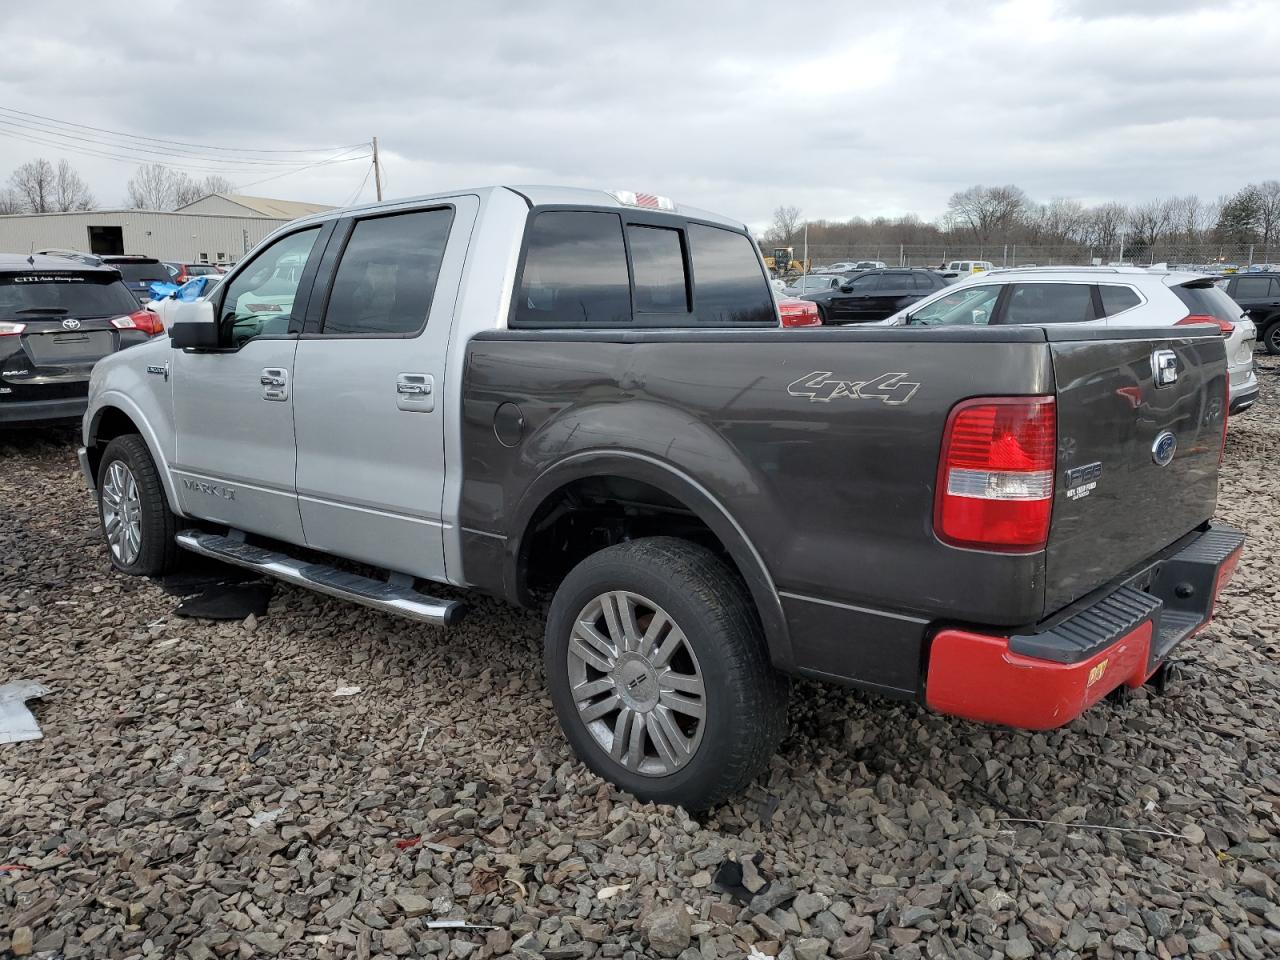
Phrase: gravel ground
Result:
[201,791]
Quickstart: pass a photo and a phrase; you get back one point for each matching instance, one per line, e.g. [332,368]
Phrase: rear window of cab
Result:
[601,269]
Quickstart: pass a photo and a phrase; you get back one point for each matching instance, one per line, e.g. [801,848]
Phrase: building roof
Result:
[266,206]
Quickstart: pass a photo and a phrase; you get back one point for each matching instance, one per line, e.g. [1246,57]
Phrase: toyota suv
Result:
[58,317]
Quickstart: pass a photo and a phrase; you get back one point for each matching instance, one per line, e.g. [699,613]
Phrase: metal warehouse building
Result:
[215,228]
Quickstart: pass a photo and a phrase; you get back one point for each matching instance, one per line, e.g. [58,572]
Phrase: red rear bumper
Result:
[980,677]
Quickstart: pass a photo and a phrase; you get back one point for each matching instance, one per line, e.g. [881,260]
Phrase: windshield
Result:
[64,294]
[142,272]
[973,305]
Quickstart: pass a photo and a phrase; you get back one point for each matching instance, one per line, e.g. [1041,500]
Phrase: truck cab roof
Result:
[534,195]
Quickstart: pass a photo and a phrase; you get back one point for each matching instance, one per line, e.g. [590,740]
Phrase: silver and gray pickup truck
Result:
[584,400]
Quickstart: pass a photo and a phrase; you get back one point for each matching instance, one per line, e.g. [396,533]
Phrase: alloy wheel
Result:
[122,513]
[636,683]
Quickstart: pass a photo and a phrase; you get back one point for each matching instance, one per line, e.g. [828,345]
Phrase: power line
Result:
[180,143]
[165,154]
[318,163]
[356,196]
[86,151]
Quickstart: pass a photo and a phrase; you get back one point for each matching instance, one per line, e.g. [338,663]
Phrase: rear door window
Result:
[387,276]
[1034,303]
[1253,288]
[657,259]
[142,272]
[1117,299]
[923,282]
[575,271]
[729,284]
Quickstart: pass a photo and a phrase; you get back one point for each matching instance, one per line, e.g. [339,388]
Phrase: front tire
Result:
[659,674]
[137,524]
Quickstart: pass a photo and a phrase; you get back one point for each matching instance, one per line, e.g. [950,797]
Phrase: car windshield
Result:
[142,272]
[972,306]
[64,294]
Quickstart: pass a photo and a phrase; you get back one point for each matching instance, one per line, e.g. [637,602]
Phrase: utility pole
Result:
[806,248]
[377,169]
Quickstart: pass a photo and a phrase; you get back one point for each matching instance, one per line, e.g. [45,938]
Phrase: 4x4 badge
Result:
[820,387]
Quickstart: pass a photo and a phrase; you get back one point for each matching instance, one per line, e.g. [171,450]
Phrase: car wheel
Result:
[659,673]
[822,315]
[137,523]
[1271,338]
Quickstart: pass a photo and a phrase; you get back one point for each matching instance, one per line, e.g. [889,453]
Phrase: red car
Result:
[182,272]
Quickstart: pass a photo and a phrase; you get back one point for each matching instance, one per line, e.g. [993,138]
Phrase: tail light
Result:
[8,329]
[1226,326]
[995,475]
[799,313]
[141,320]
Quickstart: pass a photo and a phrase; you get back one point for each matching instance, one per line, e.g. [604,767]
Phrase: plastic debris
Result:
[346,691]
[457,925]
[262,818]
[408,843]
[16,722]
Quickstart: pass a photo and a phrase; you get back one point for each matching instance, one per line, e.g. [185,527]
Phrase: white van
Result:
[967,268]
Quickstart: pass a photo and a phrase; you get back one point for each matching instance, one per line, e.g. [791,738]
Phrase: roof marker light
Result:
[650,201]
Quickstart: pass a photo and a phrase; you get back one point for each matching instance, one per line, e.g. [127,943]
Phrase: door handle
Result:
[275,383]
[415,392]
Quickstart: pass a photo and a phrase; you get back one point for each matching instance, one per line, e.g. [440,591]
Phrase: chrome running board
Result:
[394,597]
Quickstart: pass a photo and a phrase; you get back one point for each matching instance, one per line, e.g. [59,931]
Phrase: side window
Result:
[729,284]
[1253,288]
[897,281]
[575,271]
[1117,299]
[971,305]
[259,301]
[953,265]
[865,284]
[657,260]
[387,275]
[1049,303]
[924,282]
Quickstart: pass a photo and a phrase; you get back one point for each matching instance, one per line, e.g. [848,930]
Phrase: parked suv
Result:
[873,294]
[585,401]
[58,317]
[1258,295]
[139,273]
[1097,296]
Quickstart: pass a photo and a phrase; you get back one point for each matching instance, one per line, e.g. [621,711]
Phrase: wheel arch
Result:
[118,416]
[554,484]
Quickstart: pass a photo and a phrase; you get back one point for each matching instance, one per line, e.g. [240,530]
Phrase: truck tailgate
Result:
[1115,503]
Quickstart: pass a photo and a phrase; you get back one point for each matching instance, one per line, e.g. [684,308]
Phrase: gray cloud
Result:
[735,108]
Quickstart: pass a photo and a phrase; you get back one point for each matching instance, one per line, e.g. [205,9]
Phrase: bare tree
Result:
[1149,223]
[189,190]
[1061,220]
[10,202]
[70,192]
[786,221]
[986,211]
[33,182]
[1268,192]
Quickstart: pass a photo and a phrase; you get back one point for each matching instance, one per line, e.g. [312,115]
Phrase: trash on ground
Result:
[16,721]
[457,925]
[346,691]
[228,601]
[263,817]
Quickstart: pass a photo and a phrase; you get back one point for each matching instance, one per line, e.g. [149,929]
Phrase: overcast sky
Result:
[839,109]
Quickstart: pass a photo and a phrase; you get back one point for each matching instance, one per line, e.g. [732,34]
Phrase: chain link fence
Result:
[1204,256]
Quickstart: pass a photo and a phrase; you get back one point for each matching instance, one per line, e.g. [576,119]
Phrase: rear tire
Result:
[137,524]
[659,634]
[1271,338]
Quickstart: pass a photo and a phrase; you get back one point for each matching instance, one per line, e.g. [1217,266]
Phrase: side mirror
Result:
[846,288]
[194,326]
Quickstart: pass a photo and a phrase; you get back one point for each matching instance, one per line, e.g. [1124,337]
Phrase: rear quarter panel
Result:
[833,487]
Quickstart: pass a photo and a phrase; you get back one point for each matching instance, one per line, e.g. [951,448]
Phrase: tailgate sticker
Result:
[819,387]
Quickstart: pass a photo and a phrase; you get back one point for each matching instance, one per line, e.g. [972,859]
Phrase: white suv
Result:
[1101,296]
